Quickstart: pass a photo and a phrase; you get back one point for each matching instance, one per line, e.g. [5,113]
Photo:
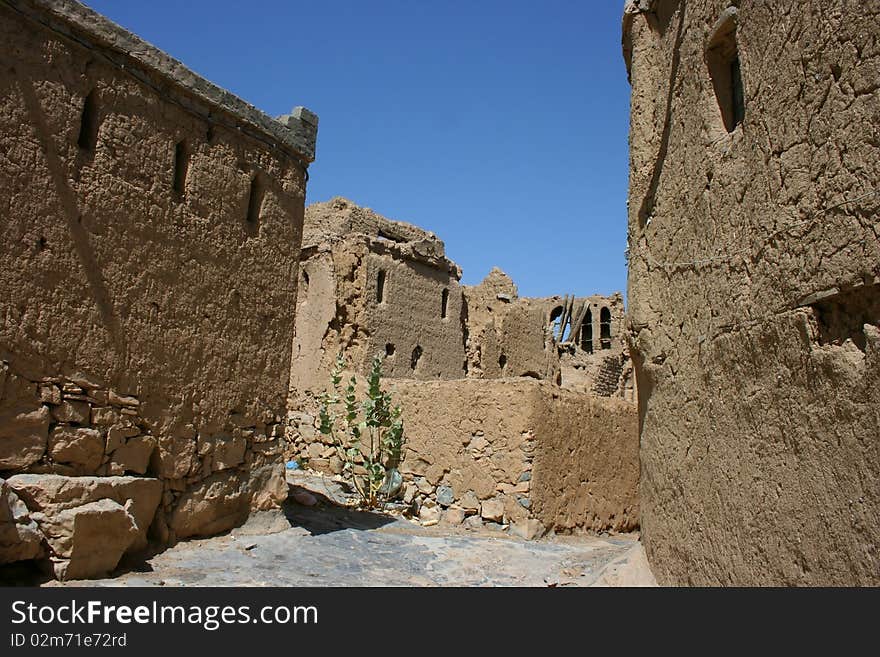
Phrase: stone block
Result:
[134,455]
[88,540]
[492,510]
[78,446]
[51,494]
[20,537]
[74,412]
[23,438]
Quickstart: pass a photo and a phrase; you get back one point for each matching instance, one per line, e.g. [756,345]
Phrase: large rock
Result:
[215,505]
[90,539]
[228,451]
[52,494]
[77,412]
[20,537]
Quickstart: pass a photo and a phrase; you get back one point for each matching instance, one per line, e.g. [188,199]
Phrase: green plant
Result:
[368,435]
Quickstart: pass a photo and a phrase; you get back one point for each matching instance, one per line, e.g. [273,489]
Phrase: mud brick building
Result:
[151,226]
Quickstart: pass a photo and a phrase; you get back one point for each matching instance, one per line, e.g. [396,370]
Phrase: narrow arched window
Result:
[444,303]
[181,167]
[605,328]
[380,286]
[587,333]
[555,316]
[723,60]
[255,203]
[88,125]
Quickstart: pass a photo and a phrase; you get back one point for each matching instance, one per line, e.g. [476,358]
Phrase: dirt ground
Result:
[331,545]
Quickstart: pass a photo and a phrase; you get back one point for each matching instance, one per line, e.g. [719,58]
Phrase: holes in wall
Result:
[389,350]
[843,316]
[836,71]
[88,124]
[255,204]
[380,286]
[555,316]
[181,167]
[586,342]
[502,361]
[605,328]
[383,235]
[415,358]
[444,303]
[722,59]
[304,284]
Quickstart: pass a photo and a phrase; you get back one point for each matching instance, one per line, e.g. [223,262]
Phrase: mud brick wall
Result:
[754,286]
[151,229]
[509,451]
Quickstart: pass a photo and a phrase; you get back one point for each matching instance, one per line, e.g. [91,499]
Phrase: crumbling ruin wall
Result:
[514,451]
[371,286]
[593,355]
[753,288]
[151,229]
[507,336]
[477,431]
[510,451]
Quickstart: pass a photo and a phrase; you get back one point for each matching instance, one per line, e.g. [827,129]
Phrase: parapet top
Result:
[630,9]
[339,220]
[342,217]
[297,130]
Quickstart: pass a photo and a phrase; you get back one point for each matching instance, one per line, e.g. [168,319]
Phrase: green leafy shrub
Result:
[368,435]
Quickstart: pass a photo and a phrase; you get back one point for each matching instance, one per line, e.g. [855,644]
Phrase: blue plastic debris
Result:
[292,465]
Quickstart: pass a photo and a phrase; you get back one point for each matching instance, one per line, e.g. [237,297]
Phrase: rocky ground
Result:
[326,544]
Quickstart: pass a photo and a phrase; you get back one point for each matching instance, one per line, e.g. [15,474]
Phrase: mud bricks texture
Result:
[754,288]
[151,233]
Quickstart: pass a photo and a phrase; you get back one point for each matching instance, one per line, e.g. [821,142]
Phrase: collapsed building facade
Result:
[511,414]
[151,229]
[754,288]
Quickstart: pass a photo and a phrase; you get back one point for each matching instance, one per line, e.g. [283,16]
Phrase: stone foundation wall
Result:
[508,451]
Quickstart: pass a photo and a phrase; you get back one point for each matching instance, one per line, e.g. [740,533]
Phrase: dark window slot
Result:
[181,166]
[88,127]
[380,286]
[587,333]
[605,328]
[255,203]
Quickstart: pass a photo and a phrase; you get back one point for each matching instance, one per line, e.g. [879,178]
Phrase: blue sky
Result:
[500,126]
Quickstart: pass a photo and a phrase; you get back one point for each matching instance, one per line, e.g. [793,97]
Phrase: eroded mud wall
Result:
[753,288]
[151,229]
[512,450]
